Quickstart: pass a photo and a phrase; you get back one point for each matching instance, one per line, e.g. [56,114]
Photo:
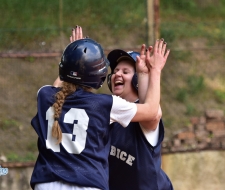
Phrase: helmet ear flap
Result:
[109,82]
[135,81]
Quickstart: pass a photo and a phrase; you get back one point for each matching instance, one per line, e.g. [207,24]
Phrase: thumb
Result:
[138,60]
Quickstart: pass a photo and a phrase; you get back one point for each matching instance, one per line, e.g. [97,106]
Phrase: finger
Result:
[164,48]
[142,49]
[148,56]
[160,45]
[73,35]
[167,54]
[71,39]
[156,46]
[77,32]
[138,60]
[148,51]
[80,33]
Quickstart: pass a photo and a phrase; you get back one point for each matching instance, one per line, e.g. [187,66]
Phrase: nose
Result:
[118,73]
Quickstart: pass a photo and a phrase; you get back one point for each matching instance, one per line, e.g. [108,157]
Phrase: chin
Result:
[115,92]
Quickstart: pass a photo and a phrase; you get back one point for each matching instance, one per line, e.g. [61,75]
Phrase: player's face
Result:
[121,81]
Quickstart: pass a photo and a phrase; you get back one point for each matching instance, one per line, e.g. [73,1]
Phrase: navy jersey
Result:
[82,156]
[134,164]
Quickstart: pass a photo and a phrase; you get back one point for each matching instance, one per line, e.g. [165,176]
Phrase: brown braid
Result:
[67,89]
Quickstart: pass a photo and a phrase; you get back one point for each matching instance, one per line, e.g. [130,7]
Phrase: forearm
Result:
[152,125]
[153,93]
[148,111]
[143,81]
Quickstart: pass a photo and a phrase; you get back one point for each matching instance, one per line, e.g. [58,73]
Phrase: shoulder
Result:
[100,101]
[104,98]
[43,88]
[121,105]
[119,100]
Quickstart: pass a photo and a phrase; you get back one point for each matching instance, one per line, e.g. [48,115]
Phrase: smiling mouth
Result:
[118,83]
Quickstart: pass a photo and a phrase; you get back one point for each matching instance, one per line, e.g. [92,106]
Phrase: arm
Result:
[149,110]
[143,80]
[143,75]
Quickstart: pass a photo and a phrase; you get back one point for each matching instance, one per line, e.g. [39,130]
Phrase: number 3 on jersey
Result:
[79,130]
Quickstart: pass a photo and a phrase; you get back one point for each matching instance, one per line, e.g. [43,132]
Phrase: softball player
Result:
[72,123]
[134,159]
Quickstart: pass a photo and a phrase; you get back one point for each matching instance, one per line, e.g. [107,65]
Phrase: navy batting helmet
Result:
[115,57]
[83,62]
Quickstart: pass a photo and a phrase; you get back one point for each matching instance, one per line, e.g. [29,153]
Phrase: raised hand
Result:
[77,34]
[141,67]
[159,55]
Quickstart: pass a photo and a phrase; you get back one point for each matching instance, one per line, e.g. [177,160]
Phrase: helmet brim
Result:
[115,55]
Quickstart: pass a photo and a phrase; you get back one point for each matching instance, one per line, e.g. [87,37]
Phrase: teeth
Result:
[118,82]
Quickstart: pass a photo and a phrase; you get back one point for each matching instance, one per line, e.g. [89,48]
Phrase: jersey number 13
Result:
[79,131]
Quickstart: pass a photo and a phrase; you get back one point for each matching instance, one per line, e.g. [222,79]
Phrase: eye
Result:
[115,71]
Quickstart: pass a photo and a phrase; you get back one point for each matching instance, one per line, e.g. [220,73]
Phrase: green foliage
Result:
[12,157]
[37,21]
[32,146]
[220,96]
[190,19]
[6,124]
[201,8]
[180,55]
[29,156]
[26,24]
[184,5]
[182,95]
[30,59]
[168,33]
[190,109]
[195,84]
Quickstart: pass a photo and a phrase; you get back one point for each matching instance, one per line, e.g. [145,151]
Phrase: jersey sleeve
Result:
[151,136]
[122,111]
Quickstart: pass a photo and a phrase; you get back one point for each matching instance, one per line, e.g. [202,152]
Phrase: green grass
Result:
[220,96]
[26,24]
[8,123]
[29,21]
[13,157]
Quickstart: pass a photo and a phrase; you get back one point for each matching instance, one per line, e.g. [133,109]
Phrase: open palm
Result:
[156,58]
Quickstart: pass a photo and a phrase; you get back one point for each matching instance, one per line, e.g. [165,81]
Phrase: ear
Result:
[109,82]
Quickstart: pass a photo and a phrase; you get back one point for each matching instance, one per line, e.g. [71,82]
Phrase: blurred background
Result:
[33,35]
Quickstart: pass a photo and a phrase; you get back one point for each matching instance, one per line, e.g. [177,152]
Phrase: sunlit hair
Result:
[66,90]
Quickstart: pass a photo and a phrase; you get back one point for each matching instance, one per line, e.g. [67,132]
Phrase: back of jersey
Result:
[81,157]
